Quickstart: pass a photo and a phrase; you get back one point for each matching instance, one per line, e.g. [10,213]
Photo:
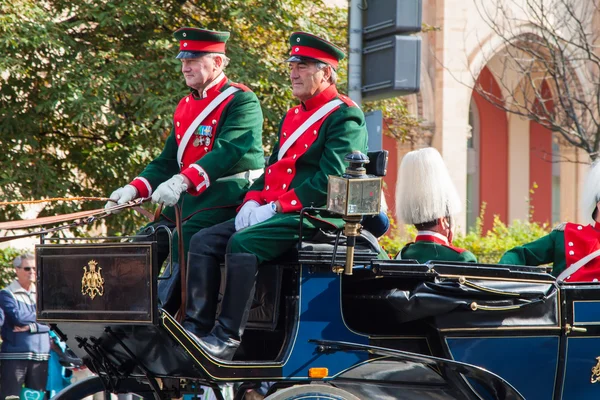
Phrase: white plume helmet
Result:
[425,191]
[591,192]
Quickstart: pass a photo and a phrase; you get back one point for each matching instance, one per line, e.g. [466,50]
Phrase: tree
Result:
[548,65]
[88,87]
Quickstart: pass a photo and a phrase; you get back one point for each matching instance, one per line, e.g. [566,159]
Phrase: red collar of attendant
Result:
[214,85]
[320,99]
[430,236]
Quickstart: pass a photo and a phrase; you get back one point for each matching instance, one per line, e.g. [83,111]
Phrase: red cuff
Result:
[290,202]
[255,195]
[143,186]
[199,178]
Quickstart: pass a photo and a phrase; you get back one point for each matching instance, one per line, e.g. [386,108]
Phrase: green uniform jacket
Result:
[545,250]
[228,142]
[299,178]
[424,251]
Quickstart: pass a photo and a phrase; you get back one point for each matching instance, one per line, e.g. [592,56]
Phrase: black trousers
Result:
[15,373]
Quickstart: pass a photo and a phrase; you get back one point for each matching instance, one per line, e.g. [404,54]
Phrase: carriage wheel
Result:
[90,386]
[312,392]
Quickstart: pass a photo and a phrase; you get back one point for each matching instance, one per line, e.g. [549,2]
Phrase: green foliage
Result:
[488,247]
[88,88]
[7,273]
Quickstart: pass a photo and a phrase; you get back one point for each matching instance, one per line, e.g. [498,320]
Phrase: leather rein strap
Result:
[84,217]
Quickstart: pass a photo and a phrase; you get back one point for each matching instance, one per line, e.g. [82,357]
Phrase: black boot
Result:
[225,337]
[169,290]
[203,281]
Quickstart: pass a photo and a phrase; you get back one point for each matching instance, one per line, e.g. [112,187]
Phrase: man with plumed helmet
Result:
[314,137]
[210,158]
[427,199]
[573,249]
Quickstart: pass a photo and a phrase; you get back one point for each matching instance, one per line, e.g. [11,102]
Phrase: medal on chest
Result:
[202,136]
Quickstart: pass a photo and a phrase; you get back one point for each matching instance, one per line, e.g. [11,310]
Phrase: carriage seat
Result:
[264,312]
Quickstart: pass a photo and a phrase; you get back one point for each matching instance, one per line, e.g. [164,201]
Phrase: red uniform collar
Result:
[213,88]
[430,236]
[322,98]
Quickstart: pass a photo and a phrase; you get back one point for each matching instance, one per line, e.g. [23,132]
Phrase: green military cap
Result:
[308,46]
[195,42]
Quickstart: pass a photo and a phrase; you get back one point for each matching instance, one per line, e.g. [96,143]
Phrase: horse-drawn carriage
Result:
[392,329]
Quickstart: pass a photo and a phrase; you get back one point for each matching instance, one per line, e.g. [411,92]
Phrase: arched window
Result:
[472,206]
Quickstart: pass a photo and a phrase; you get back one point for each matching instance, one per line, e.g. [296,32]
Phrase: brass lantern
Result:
[354,195]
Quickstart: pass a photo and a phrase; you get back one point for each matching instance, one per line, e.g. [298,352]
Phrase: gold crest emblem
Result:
[92,283]
[596,372]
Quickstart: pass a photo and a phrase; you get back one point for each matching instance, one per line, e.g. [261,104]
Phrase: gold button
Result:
[184,34]
[296,111]
[187,99]
[206,149]
[284,134]
[267,188]
[571,244]
[297,49]
[293,202]
[298,40]
[178,137]
[269,170]
[184,44]
[294,157]
[289,171]
[177,123]
[580,227]
[306,146]
[284,186]
[315,132]
[214,121]
[571,253]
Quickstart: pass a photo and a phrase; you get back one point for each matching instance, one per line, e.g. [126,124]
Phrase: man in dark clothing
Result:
[26,344]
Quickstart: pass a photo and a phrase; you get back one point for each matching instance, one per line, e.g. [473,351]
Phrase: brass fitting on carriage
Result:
[351,231]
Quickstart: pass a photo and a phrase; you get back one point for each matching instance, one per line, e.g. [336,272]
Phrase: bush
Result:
[488,247]
[7,271]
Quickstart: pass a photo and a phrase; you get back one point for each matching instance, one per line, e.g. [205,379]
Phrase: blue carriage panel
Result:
[586,312]
[528,363]
[321,319]
[581,358]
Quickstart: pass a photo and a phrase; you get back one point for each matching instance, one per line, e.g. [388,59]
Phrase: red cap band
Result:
[201,45]
[317,54]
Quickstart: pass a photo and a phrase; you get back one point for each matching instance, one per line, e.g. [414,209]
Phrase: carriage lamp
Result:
[354,195]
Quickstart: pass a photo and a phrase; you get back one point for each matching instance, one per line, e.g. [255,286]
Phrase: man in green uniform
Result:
[314,138]
[212,155]
[427,199]
[573,249]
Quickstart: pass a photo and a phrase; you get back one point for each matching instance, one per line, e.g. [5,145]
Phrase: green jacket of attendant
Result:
[431,246]
[564,247]
[298,170]
[222,155]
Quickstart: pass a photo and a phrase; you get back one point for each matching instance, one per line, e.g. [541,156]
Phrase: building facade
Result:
[511,166]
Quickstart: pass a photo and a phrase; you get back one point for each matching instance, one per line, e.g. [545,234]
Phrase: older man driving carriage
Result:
[314,138]
[211,156]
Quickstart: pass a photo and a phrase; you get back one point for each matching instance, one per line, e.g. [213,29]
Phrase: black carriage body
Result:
[418,331]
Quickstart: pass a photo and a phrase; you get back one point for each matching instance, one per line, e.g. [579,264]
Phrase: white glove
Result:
[169,191]
[242,219]
[262,213]
[121,196]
